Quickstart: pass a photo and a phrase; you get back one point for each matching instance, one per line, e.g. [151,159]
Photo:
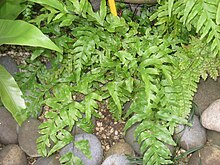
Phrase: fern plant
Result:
[119,60]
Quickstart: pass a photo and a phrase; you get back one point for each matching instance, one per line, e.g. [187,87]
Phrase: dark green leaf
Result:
[11,96]
[52,3]
[10,9]
[22,33]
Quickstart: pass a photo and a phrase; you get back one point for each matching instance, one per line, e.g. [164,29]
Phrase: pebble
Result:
[116,160]
[12,155]
[27,136]
[120,148]
[95,148]
[213,137]
[207,92]
[52,160]
[9,64]
[130,139]
[8,127]
[191,137]
[95,4]
[208,155]
[210,118]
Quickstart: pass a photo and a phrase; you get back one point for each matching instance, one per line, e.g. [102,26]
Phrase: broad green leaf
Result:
[11,96]
[10,9]
[52,3]
[22,33]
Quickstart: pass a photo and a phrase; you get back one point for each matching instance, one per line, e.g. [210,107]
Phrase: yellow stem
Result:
[112,7]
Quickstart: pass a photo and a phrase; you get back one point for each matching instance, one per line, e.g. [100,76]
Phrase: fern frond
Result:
[70,159]
[83,48]
[202,15]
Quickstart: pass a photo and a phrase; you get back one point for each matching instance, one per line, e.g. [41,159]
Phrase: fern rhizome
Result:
[155,62]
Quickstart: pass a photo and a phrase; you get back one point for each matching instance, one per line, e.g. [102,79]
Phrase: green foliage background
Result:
[155,62]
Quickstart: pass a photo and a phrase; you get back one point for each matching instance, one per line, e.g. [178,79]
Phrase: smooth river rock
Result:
[116,160]
[208,155]
[95,4]
[213,137]
[12,155]
[130,139]
[27,136]
[8,127]
[95,148]
[207,92]
[52,160]
[191,137]
[9,64]
[120,148]
[210,118]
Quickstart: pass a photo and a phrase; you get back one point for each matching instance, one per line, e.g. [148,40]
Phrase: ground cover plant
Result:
[154,60]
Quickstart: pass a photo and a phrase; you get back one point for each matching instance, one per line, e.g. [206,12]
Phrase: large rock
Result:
[8,127]
[213,137]
[52,160]
[116,160]
[9,64]
[130,139]
[207,92]
[95,148]
[12,155]
[28,134]
[95,4]
[208,155]
[191,137]
[211,116]
[120,148]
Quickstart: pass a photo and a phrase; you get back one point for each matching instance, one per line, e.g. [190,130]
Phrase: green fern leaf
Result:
[218,15]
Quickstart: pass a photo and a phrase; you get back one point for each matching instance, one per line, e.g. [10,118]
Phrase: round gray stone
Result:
[208,155]
[191,137]
[9,64]
[207,92]
[27,136]
[95,4]
[95,148]
[116,160]
[213,137]
[120,148]
[68,148]
[130,139]
[12,155]
[52,160]
[8,127]
[210,118]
